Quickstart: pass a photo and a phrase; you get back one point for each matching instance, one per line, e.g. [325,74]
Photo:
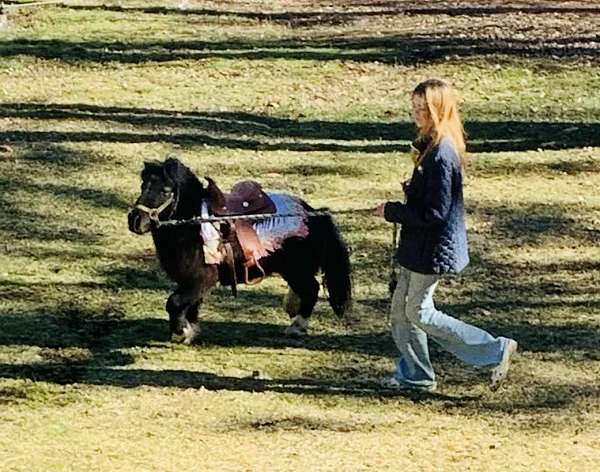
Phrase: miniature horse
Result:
[171,191]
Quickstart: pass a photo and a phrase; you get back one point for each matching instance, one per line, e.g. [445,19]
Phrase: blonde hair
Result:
[443,116]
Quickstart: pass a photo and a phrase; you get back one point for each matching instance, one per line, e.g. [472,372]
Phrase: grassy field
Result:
[309,97]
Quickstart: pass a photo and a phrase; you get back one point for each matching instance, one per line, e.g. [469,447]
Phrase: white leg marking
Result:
[298,327]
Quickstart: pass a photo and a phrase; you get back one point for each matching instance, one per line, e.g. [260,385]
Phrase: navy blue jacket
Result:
[433,238]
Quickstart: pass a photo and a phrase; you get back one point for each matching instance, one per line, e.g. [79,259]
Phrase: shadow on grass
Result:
[405,49]
[63,374]
[537,398]
[534,335]
[254,131]
[106,333]
[90,196]
[28,224]
[56,157]
[536,223]
[149,276]
[310,170]
[31,225]
[377,8]
[28,209]
[566,165]
[75,328]
[192,139]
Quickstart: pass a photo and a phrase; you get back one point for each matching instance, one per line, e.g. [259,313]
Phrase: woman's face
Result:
[420,112]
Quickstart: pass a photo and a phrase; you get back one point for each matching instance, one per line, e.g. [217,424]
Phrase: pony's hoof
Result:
[177,338]
[299,327]
[190,332]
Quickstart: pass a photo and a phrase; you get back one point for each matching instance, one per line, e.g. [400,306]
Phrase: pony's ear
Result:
[171,168]
[151,167]
[216,198]
[153,164]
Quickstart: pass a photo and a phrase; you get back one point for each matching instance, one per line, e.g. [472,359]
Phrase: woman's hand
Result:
[379,210]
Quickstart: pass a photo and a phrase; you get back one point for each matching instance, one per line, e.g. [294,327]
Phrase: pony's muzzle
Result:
[138,221]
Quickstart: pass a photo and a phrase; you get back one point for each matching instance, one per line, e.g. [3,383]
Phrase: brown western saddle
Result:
[246,198]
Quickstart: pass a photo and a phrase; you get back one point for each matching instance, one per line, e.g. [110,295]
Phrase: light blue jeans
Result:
[414,317]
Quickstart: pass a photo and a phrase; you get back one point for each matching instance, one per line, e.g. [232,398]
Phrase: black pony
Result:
[171,191]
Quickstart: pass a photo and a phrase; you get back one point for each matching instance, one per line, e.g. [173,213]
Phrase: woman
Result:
[433,242]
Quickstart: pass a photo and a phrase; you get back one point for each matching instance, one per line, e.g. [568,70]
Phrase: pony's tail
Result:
[335,264]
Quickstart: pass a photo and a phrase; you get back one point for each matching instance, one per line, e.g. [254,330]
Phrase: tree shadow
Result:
[535,223]
[538,397]
[79,327]
[53,155]
[30,224]
[268,335]
[18,224]
[512,136]
[398,49]
[315,170]
[106,332]
[131,378]
[489,8]
[304,18]
[237,130]
[73,325]
[90,196]
[147,277]
[565,165]
[535,336]
[28,213]
[189,139]
[211,123]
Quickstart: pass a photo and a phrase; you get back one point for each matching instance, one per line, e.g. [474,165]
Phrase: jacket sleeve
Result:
[437,198]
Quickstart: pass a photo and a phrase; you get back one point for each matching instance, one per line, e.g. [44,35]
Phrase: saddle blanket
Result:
[270,232]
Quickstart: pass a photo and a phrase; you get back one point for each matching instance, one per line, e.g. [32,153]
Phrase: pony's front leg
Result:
[182,307]
[192,325]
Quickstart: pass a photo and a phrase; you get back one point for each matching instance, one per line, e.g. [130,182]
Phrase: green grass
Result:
[317,106]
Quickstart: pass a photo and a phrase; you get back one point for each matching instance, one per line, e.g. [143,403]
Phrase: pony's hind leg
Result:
[300,302]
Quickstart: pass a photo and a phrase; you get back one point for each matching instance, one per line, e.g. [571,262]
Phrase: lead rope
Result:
[197,220]
[393,274]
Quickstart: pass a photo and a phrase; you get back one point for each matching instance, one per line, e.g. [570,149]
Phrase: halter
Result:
[153,213]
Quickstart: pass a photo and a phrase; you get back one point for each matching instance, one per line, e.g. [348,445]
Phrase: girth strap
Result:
[230,262]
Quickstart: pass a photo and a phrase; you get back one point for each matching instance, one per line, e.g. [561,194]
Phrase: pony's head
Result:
[163,184]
